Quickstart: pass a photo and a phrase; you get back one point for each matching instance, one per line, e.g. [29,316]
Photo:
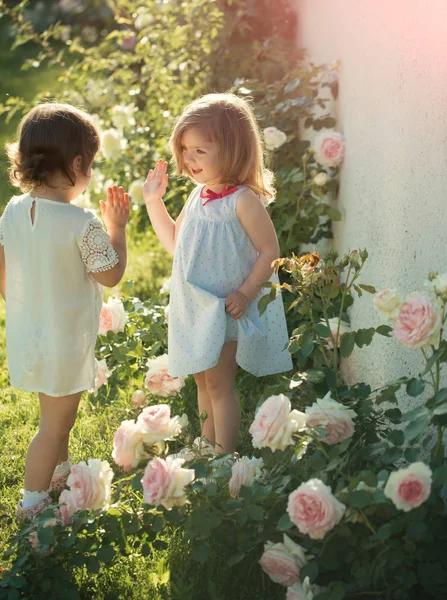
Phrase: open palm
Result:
[156,181]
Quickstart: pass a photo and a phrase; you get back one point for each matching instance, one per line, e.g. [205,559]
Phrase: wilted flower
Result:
[244,472]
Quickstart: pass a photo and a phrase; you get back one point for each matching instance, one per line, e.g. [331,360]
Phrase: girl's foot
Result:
[29,514]
[200,447]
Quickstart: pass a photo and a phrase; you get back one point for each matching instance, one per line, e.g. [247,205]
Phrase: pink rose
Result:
[102,374]
[158,381]
[128,447]
[113,317]
[314,509]
[156,424]
[91,483]
[90,488]
[418,322]
[334,417]
[138,398]
[409,488]
[243,472]
[68,503]
[164,482]
[329,148]
[282,562]
[275,423]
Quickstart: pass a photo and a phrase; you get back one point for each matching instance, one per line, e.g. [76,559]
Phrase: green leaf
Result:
[347,344]
[255,512]
[157,524]
[415,428]
[310,570]
[363,337]
[368,288]
[440,475]
[93,564]
[369,477]
[360,498]
[284,524]
[416,530]
[106,554]
[322,330]
[396,437]
[307,347]
[385,531]
[236,558]
[441,409]
[200,551]
[394,415]
[415,387]
[431,361]
[385,330]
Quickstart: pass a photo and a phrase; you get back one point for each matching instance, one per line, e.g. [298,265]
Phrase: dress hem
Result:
[274,371]
[53,395]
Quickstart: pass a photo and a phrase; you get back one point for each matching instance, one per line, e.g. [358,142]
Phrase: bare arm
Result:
[2,272]
[259,227]
[166,229]
[115,213]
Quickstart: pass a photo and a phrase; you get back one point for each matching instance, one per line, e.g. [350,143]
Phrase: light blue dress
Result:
[213,257]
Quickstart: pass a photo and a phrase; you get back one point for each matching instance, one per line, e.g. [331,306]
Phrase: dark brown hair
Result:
[229,121]
[50,137]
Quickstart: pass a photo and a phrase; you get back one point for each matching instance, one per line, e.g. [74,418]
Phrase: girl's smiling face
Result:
[201,157]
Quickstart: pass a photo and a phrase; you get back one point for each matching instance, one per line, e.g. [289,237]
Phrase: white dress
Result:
[213,257]
[52,303]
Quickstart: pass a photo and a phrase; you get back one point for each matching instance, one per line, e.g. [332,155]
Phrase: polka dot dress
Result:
[213,257]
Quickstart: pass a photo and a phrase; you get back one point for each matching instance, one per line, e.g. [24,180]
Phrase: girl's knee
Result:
[200,379]
[59,431]
[218,386]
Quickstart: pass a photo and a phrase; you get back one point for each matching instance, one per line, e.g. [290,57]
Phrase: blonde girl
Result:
[223,243]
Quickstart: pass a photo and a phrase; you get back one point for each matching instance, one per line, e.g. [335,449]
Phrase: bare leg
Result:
[63,454]
[226,407]
[204,402]
[57,417]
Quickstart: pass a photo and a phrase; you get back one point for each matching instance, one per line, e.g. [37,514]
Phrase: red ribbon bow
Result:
[209,195]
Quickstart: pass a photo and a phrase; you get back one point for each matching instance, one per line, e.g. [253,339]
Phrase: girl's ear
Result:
[77,162]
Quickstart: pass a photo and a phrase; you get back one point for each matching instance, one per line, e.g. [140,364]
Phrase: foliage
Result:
[377,549]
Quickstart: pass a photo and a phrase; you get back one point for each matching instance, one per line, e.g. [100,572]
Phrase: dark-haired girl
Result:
[54,259]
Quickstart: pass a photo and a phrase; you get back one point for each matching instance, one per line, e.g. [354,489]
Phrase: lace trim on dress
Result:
[97,252]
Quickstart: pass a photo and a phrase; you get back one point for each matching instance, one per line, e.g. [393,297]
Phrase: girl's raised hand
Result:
[116,210]
[156,182]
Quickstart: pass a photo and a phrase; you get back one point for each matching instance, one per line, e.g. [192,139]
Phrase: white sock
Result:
[63,469]
[32,498]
